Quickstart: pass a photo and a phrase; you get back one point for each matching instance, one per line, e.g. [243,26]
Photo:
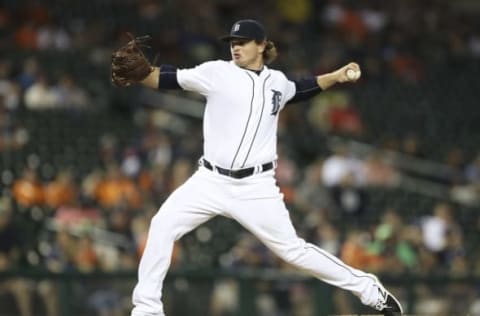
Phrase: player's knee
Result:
[293,253]
[294,256]
[168,226]
[162,223]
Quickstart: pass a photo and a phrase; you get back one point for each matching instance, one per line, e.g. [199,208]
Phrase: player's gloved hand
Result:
[129,64]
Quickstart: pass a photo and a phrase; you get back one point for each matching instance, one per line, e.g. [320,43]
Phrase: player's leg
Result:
[267,217]
[189,206]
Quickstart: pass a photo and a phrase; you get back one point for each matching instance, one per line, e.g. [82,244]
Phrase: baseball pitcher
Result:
[235,177]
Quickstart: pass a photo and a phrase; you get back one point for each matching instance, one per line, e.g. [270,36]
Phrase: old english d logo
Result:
[276,98]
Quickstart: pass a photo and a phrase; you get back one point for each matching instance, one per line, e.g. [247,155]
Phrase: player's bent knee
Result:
[295,257]
[167,225]
[162,223]
[293,253]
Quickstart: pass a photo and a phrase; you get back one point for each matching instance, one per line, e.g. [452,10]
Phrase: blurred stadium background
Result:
[384,173]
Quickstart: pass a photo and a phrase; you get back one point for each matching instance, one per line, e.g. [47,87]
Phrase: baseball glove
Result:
[129,64]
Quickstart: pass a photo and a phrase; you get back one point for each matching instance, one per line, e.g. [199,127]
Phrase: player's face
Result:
[247,53]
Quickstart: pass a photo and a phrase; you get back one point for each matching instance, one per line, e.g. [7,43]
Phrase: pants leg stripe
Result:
[339,263]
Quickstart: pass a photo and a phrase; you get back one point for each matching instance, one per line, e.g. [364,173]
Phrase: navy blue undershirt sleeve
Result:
[307,88]
[168,78]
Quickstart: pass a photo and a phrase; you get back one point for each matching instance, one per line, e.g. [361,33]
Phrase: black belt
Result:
[239,173]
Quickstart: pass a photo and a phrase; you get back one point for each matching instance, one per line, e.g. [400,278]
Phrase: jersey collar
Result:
[257,72]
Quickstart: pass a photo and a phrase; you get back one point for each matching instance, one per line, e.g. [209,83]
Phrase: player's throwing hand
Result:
[348,73]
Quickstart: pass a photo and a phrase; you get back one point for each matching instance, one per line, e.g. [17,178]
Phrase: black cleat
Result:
[387,303]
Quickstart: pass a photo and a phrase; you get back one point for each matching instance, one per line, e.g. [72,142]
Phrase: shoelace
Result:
[381,306]
[382,300]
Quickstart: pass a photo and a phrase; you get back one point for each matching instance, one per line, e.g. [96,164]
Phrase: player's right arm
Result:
[307,88]
[327,80]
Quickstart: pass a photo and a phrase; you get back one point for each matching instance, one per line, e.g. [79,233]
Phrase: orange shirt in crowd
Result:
[28,192]
[357,256]
[59,194]
[112,192]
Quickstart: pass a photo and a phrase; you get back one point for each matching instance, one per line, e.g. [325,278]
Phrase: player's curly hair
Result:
[270,52]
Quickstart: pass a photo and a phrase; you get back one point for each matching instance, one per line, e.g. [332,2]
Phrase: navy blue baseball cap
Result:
[246,29]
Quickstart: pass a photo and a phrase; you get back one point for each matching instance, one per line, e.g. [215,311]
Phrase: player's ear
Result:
[261,46]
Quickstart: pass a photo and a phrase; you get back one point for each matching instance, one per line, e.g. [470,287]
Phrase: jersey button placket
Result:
[257,115]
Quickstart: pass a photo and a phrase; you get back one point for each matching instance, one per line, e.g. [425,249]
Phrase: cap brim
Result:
[228,38]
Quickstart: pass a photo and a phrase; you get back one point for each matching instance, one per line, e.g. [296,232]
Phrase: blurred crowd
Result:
[396,37]
[98,220]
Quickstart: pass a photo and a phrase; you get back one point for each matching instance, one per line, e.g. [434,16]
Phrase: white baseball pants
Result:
[257,204]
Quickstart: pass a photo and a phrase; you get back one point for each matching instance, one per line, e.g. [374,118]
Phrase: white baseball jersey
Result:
[241,114]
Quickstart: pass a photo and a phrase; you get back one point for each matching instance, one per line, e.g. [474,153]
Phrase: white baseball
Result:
[353,74]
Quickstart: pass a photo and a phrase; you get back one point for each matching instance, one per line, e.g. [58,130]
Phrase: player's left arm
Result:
[162,77]
[152,80]
[198,79]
